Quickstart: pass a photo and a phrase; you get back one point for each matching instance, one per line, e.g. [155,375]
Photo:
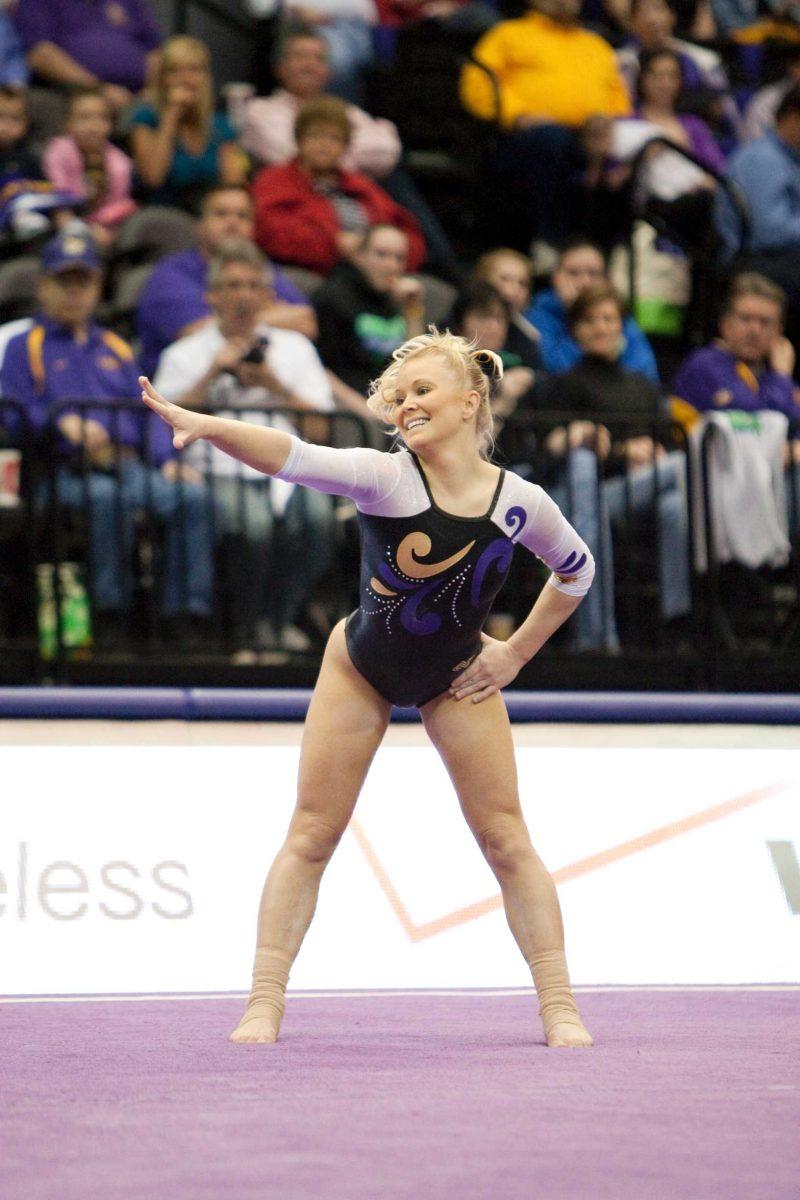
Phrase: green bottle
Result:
[76,627]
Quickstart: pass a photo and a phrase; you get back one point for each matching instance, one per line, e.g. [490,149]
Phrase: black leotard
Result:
[428,577]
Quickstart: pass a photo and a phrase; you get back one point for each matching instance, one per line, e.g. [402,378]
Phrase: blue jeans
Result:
[283,557]
[668,481]
[112,507]
[593,509]
[577,493]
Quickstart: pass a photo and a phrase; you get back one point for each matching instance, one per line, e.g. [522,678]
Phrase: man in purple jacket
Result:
[109,463]
[750,367]
[173,302]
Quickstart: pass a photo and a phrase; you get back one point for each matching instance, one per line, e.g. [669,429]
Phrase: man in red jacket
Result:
[311,213]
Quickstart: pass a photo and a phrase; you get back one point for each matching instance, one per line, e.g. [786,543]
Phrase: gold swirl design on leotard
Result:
[415,546]
[380,588]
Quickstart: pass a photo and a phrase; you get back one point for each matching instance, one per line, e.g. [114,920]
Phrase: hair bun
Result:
[490,363]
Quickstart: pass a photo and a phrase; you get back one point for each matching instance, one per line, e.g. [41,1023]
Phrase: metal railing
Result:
[638,207]
[103,527]
[17,532]
[779,584]
[631,517]
[164,537]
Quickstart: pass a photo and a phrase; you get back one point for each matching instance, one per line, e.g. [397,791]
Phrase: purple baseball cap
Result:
[70,251]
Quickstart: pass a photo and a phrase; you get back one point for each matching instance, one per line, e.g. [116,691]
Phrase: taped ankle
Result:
[268,993]
[551,980]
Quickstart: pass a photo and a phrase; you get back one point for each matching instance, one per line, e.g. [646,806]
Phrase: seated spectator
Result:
[109,465]
[579,265]
[174,303]
[312,212]
[750,367]
[345,26]
[483,316]
[70,43]
[13,67]
[268,136]
[767,172]
[366,308]
[659,90]
[17,159]
[553,76]
[749,370]
[759,115]
[181,146]
[636,467]
[85,163]
[509,272]
[677,190]
[233,361]
[705,90]
[302,69]
[29,205]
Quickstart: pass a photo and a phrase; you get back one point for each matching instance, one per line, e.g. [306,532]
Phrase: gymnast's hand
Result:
[496,665]
[187,426]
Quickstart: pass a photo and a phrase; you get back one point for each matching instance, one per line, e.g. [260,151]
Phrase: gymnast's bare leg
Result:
[475,744]
[345,725]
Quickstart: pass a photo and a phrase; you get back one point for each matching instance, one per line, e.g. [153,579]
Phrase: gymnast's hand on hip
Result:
[496,665]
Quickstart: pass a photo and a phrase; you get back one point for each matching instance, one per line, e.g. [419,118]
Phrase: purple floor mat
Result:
[687,1096]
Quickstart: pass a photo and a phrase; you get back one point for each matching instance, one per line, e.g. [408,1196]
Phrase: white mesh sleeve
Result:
[363,475]
[549,535]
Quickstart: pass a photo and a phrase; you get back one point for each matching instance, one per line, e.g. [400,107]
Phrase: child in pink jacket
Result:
[87,164]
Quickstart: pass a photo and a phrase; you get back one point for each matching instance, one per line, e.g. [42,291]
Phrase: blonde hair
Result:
[477,370]
[487,263]
[179,51]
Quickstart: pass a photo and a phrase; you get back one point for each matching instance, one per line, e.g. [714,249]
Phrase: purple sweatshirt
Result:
[711,380]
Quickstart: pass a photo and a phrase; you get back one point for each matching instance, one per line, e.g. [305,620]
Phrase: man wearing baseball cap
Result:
[106,456]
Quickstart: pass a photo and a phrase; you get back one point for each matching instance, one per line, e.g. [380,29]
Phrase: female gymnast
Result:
[439,522]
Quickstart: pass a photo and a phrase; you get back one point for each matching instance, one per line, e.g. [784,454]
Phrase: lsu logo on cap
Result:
[73,245]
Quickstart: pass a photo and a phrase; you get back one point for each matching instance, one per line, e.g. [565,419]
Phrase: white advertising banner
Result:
[139,869]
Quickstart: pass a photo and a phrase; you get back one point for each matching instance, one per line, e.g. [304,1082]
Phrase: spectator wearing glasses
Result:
[750,366]
[174,301]
[237,360]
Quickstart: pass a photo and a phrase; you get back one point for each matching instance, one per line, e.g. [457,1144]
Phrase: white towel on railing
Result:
[748,503]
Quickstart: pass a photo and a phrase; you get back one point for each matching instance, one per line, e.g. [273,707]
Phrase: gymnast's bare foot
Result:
[568,1034]
[255,1031]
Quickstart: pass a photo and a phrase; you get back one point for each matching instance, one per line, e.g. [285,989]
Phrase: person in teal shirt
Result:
[181,146]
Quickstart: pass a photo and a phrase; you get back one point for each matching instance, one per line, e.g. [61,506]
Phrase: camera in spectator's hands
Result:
[257,352]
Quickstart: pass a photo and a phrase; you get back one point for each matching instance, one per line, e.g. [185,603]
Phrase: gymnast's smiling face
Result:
[432,406]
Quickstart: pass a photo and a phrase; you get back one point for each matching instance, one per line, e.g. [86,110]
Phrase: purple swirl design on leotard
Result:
[569,565]
[515,516]
[388,576]
[410,620]
[498,554]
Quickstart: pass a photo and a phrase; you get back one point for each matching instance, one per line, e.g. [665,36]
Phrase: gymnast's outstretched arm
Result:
[361,474]
[258,446]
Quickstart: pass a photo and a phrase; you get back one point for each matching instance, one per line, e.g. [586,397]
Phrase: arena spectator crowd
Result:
[272,254]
